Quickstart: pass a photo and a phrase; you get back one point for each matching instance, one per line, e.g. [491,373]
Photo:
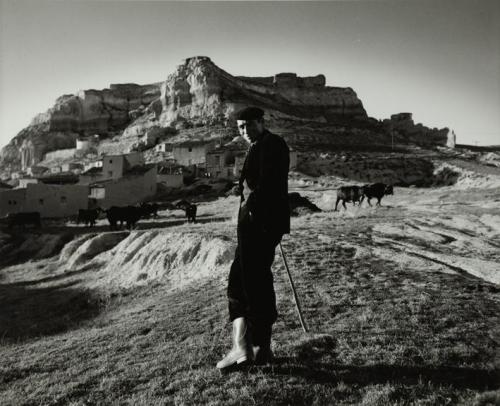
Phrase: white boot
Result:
[241,351]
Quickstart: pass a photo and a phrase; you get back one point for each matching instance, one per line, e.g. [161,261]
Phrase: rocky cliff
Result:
[87,112]
[198,95]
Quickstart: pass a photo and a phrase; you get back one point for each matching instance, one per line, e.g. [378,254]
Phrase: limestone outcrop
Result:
[202,92]
[87,112]
[401,125]
[199,97]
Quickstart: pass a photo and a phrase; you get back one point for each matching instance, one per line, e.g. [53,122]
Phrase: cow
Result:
[376,190]
[24,219]
[149,209]
[191,212]
[189,209]
[128,214]
[88,216]
[348,194]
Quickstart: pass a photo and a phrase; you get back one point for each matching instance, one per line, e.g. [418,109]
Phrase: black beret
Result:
[250,113]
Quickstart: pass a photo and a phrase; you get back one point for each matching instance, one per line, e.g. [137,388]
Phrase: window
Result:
[110,161]
[110,173]
[190,149]
[63,199]
[40,201]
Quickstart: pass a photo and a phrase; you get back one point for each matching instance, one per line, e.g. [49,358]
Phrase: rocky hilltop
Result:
[199,95]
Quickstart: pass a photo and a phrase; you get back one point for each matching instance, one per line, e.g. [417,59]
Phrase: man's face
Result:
[250,129]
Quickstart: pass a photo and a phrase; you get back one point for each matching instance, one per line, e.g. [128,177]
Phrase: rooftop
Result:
[93,171]
[60,178]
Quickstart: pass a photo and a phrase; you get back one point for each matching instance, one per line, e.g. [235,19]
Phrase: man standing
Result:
[263,218]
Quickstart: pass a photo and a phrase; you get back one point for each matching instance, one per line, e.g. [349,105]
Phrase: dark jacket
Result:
[266,174]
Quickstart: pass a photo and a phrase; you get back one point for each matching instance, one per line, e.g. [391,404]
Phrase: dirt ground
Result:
[402,305]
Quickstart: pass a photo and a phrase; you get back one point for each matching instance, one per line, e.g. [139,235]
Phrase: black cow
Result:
[181,204]
[189,208]
[191,212]
[128,214]
[376,190]
[88,216]
[349,194]
[149,209]
[24,219]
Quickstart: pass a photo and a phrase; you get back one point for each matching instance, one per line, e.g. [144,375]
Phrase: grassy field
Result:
[392,321]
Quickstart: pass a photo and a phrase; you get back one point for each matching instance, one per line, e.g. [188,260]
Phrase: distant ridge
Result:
[200,95]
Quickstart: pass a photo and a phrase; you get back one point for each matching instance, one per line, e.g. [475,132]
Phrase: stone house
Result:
[90,176]
[114,166]
[36,170]
[24,182]
[136,186]
[72,167]
[93,164]
[192,152]
[51,201]
[111,167]
[226,161]
[171,175]
[163,147]
[12,201]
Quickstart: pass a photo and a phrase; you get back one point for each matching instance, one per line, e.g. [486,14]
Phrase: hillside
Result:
[402,303]
[201,98]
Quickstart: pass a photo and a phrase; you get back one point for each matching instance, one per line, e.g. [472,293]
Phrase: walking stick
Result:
[297,304]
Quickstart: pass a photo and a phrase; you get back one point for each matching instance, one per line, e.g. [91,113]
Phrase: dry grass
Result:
[381,332]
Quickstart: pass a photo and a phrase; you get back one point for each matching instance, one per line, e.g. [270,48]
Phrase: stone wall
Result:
[51,201]
[129,190]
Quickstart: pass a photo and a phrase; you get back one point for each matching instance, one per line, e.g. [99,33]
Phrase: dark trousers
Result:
[250,289]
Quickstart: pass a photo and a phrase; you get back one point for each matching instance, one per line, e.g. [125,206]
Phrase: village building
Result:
[171,175]
[12,201]
[17,174]
[114,166]
[192,152]
[163,147]
[5,186]
[24,182]
[51,201]
[134,187]
[72,167]
[226,161]
[90,176]
[111,167]
[62,178]
[85,145]
[152,136]
[93,164]
[36,170]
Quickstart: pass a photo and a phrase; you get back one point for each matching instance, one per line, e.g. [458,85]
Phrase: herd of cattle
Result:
[117,216]
[130,215]
[356,194]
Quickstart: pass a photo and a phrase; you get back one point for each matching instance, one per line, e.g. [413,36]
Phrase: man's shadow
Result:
[307,364]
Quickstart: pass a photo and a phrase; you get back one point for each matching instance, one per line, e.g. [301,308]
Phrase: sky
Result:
[438,59]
